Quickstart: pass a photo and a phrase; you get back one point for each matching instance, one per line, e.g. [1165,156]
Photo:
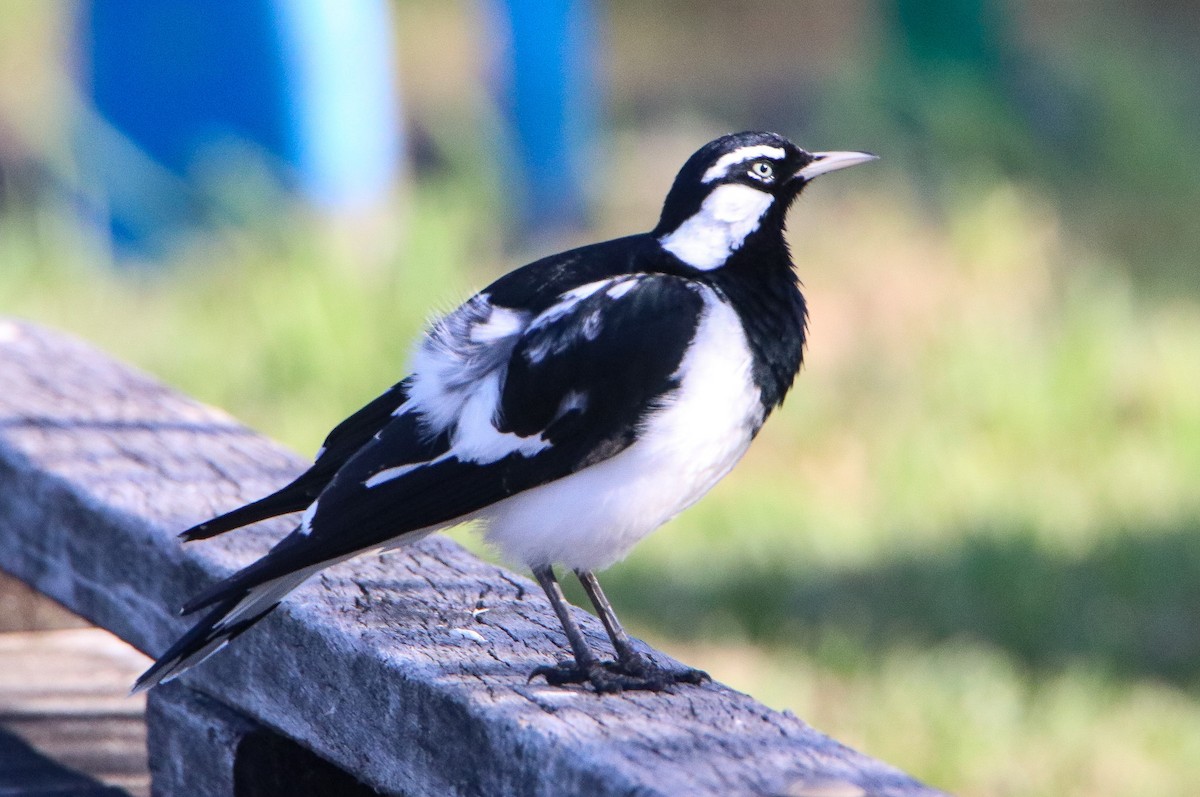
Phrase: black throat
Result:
[762,286]
[760,283]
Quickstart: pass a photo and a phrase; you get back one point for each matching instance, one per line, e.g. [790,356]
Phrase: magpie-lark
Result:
[573,406]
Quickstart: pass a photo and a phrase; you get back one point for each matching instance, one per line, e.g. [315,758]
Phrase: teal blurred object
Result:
[939,33]
[308,84]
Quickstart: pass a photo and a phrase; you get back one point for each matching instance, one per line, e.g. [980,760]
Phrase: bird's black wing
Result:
[585,380]
[578,383]
[346,438]
[351,434]
[538,285]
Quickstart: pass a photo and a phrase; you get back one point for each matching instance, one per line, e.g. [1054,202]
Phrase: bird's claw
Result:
[613,677]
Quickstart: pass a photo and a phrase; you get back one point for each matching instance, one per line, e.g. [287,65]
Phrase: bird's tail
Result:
[231,616]
[292,498]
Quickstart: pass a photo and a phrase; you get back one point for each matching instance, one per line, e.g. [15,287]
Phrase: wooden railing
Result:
[380,676]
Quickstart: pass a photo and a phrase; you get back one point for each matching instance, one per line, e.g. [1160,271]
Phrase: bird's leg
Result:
[584,658]
[626,656]
[633,671]
[629,662]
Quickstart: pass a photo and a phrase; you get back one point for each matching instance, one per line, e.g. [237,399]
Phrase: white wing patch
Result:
[567,301]
[502,323]
[403,409]
[727,215]
[307,518]
[459,367]
[476,438]
[621,287]
[460,350]
[740,155]
[388,474]
[573,400]
[590,326]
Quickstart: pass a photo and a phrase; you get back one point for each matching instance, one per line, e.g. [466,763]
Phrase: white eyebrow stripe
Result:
[740,155]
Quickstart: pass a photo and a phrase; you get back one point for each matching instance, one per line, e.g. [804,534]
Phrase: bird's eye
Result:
[762,170]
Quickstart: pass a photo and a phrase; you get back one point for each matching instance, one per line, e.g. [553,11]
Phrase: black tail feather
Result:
[204,639]
[239,602]
[293,498]
[219,593]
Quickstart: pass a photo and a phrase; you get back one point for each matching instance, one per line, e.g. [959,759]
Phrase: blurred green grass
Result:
[968,544]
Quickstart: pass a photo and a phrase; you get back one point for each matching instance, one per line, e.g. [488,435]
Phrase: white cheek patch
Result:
[729,214]
[741,155]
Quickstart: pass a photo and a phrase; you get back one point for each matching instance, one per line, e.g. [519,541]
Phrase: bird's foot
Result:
[613,677]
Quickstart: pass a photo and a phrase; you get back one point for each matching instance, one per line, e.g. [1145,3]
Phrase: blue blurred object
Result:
[308,83]
[553,97]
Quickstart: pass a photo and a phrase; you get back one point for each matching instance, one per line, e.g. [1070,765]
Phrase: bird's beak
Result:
[823,162]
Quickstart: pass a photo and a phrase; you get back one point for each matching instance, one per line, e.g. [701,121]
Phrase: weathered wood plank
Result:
[199,746]
[64,694]
[381,665]
[22,608]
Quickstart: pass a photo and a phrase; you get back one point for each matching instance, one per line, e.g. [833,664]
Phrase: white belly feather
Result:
[592,518]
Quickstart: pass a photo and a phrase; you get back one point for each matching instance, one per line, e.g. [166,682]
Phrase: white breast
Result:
[592,518]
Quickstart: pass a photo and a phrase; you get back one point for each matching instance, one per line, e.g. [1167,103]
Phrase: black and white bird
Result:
[573,406]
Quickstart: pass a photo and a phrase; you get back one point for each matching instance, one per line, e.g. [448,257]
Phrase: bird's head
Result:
[736,187]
